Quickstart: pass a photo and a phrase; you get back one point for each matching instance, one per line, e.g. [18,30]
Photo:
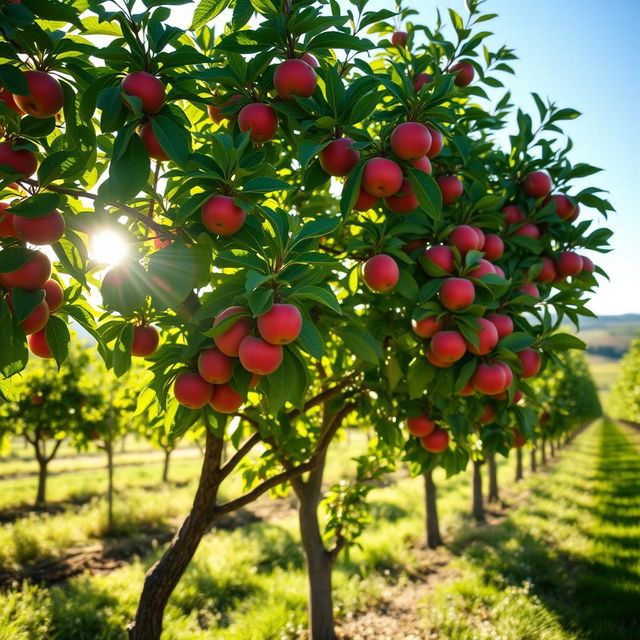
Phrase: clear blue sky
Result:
[581,54]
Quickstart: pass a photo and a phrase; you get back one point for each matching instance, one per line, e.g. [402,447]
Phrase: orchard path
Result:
[571,554]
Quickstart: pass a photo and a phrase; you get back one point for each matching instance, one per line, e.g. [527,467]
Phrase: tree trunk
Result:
[552,451]
[165,467]
[519,474]
[544,451]
[319,560]
[108,446]
[534,465]
[41,496]
[163,577]
[493,478]
[434,539]
[477,506]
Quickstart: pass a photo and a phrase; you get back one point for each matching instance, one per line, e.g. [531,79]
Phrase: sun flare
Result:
[108,247]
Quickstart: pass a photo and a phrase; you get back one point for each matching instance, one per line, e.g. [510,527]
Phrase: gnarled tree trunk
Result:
[477,504]
[519,474]
[434,539]
[492,467]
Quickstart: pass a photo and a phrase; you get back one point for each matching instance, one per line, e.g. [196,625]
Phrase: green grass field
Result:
[564,563]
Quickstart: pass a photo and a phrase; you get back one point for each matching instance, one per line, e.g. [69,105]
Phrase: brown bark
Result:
[492,467]
[434,539]
[519,474]
[543,451]
[165,466]
[477,505]
[534,464]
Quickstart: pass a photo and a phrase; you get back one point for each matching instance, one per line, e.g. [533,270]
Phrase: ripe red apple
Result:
[448,346]
[487,338]
[568,263]
[545,418]
[214,366]
[420,426]
[488,414]
[258,356]
[191,390]
[489,379]
[499,270]
[310,59]
[294,78]
[436,362]
[467,390]
[513,214]
[450,187]
[437,142]
[530,360]
[151,143]
[530,289]
[502,322]
[365,201]
[229,341]
[381,273]
[260,119]
[381,177]
[457,293]
[426,327]
[22,161]
[483,268]
[7,229]
[145,340]
[410,141]
[537,184]
[147,87]
[38,344]
[32,275]
[40,231]
[7,97]
[281,324]
[399,38]
[338,159]
[518,439]
[441,256]
[528,229]
[464,75]
[45,97]
[493,246]
[548,272]
[465,239]
[404,200]
[36,320]
[517,396]
[222,216]
[225,399]
[215,110]
[423,164]
[587,265]
[564,207]
[437,441]
[420,80]
[412,245]
[53,294]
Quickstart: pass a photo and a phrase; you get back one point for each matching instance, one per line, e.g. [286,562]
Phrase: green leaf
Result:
[172,274]
[427,192]
[41,204]
[310,339]
[319,295]
[24,302]
[129,174]
[265,184]
[242,13]
[563,342]
[173,137]
[12,258]
[122,350]
[12,79]
[351,189]
[207,10]
[58,338]
[320,227]
[13,354]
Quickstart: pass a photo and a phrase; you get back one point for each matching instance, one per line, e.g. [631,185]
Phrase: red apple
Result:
[423,164]
[294,78]
[467,390]
[530,360]
[7,229]
[281,324]
[7,97]
[38,344]
[22,161]
[260,119]
[502,322]
[437,141]
[436,362]
[568,263]
[465,239]
[457,293]
[412,245]
[529,230]
[410,141]
[365,201]
[191,390]
[464,75]
[258,356]
[381,273]
[426,327]
[229,341]
[518,439]
[537,184]
[442,257]
[215,111]
[40,231]
[420,80]
[214,366]
[404,200]
[489,379]
[145,86]
[36,320]
[513,214]
[483,268]
[45,97]
[420,426]
[53,294]
[222,216]
[493,246]
[150,141]
[145,340]
[32,275]
[499,270]
[587,265]
[310,59]
[488,414]
[437,441]
[487,338]
[381,177]
[450,187]
[448,346]
[564,207]
[399,38]
[530,289]
[225,399]
[548,272]
[338,159]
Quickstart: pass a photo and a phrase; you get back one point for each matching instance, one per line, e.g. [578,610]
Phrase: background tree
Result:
[624,402]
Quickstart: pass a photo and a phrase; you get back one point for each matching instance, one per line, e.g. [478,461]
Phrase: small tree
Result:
[624,401]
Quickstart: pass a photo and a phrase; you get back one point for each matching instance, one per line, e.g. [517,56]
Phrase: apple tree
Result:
[625,393]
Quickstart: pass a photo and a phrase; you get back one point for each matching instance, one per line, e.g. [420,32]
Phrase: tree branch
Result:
[323,396]
[56,446]
[237,457]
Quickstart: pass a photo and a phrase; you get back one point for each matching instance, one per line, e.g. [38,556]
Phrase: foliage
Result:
[625,393]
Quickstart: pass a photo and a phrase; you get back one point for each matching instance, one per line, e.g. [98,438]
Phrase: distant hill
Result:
[609,336]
